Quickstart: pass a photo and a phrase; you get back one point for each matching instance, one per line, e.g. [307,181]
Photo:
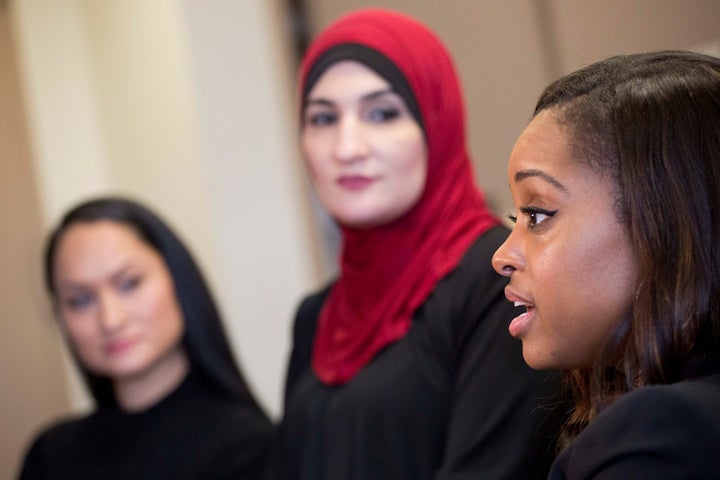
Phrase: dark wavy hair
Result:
[651,123]
[204,340]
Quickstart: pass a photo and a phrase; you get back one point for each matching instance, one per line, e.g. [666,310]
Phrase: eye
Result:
[536,216]
[321,118]
[383,114]
[78,301]
[129,284]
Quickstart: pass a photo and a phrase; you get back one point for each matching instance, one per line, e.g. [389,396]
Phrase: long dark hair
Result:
[204,340]
[651,123]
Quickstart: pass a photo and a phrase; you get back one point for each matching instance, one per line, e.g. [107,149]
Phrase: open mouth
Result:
[528,306]
[519,324]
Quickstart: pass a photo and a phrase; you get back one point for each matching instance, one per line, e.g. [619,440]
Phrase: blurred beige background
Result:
[188,105]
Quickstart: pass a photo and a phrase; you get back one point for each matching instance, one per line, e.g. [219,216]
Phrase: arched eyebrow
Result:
[534,173]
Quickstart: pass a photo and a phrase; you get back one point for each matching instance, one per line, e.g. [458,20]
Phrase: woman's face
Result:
[569,258]
[116,302]
[365,152]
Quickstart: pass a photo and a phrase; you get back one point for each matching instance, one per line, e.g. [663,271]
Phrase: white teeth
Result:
[519,304]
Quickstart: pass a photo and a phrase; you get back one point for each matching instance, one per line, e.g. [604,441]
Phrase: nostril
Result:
[508,269]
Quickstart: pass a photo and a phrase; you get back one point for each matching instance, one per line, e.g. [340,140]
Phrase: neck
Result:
[144,390]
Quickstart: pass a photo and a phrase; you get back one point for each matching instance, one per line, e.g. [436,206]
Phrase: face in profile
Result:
[569,259]
[116,302]
[365,152]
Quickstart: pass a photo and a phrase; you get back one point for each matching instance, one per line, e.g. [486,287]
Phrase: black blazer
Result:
[657,432]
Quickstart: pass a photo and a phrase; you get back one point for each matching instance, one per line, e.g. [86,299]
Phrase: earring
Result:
[637,290]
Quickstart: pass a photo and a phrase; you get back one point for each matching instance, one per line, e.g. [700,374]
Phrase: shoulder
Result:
[478,258]
[218,436]
[307,314]
[314,301]
[55,443]
[474,276]
[237,443]
[303,335]
[668,405]
[230,418]
[669,429]
[243,421]
[472,295]
[467,314]
[64,429]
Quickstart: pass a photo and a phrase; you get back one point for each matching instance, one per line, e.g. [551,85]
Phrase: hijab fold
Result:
[387,272]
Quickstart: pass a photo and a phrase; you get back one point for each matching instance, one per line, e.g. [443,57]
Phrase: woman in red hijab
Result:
[403,367]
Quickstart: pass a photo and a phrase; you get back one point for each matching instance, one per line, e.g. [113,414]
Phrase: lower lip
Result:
[519,324]
[355,183]
[121,346]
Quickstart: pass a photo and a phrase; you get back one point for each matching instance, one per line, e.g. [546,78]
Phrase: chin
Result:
[359,223]
[537,360]
[127,370]
[364,222]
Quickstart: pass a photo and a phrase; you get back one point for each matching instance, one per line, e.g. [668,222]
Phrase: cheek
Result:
[610,266]
[587,287]
[314,159]
[78,331]
[410,167]
[163,310]
[582,266]
[83,339]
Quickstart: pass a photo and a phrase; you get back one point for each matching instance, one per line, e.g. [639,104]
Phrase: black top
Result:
[194,433]
[657,432]
[452,399]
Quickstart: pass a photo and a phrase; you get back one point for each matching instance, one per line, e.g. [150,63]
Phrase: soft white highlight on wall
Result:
[239,69]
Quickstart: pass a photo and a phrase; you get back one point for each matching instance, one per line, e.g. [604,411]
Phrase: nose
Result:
[508,258]
[111,313]
[350,144]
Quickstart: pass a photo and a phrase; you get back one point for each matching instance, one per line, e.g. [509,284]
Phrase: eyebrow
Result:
[71,284]
[534,173]
[364,98]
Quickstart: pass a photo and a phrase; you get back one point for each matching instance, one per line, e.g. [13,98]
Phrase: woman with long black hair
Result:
[144,331]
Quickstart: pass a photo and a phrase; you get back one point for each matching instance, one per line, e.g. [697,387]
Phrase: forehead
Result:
[543,155]
[544,141]
[89,248]
[349,77]
[544,146]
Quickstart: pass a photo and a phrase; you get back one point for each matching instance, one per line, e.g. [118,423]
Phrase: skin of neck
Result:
[137,393]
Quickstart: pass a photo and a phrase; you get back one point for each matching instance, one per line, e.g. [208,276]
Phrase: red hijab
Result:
[387,272]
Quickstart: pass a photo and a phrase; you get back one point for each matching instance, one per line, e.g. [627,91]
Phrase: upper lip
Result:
[515,297]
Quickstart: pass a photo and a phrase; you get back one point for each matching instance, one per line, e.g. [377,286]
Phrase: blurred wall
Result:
[33,385]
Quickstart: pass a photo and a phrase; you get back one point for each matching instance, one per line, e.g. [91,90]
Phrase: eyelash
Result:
[532,213]
[83,300]
[79,301]
[130,284]
[380,115]
[321,119]
[375,115]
